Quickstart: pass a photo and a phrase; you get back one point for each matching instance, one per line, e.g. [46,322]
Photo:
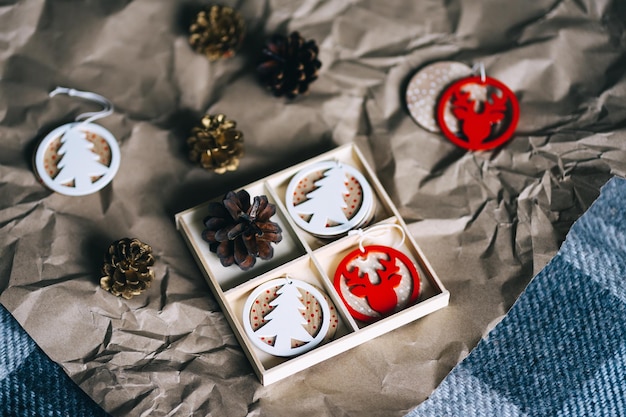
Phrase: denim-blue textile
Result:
[33,385]
[561,349]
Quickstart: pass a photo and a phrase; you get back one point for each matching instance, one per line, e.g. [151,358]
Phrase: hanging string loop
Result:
[87,95]
[371,232]
[480,68]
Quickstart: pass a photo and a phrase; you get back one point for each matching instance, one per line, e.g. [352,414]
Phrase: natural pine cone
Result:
[217,32]
[126,268]
[289,65]
[216,145]
[239,232]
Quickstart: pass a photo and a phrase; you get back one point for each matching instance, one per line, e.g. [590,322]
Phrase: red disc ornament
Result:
[376,282]
[485,110]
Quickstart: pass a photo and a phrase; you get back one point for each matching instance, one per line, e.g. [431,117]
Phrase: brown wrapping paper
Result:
[486,221]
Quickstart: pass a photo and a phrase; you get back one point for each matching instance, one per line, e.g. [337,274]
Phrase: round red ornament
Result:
[486,113]
[376,281]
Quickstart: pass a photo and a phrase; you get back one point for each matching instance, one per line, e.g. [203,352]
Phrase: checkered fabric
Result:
[561,349]
[33,385]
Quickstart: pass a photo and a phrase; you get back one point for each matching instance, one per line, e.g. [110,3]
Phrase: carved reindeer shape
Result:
[380,296]
[476,124]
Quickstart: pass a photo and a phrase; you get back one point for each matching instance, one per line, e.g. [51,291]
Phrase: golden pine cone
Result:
[126,268]
[216,145]
[217,32]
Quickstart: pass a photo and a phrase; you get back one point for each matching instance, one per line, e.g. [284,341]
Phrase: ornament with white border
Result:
[278,322]
[329,198]
[78,158]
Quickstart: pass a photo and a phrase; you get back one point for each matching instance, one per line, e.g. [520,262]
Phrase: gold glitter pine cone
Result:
[215,144]
[126,268]
[217,32]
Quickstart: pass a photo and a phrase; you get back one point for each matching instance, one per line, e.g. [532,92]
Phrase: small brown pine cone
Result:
[239,232]
[216,145]
[217,32]
[289,65]
[126,268]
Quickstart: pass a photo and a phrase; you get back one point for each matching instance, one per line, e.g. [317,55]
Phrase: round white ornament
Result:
[77,158]
[425,87]
[284,317]
[329,198]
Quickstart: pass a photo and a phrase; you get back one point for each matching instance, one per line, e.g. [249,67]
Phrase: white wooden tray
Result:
[313,260]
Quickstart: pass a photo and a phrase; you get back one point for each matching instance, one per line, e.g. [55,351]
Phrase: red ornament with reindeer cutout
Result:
[376,282]
[485,109]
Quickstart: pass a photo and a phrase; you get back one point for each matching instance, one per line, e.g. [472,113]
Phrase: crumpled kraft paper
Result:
[486,221]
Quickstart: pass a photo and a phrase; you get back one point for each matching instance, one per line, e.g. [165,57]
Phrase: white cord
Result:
[480,67]
[87,95]
[364,233]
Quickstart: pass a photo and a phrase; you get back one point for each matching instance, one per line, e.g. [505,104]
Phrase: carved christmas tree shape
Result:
[326,203]
[77,159]
[341,199]
[78,162]
[285,322]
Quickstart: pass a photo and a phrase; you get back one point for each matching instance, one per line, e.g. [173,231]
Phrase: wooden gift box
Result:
[313,260]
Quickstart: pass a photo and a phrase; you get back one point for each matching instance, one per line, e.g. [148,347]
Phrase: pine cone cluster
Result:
[239,232]
[289,65]
[126,268]
[215,144]
[217,32]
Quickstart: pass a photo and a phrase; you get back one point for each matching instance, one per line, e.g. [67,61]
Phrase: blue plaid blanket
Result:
[561,349]
[33,385]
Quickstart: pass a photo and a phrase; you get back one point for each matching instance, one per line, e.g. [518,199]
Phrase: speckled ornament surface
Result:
[329,198]
[312,314]
[425,87]
[286,317]
[77,159]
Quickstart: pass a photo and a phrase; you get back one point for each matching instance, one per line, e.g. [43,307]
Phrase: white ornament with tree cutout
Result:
[79,170]
[285,322]
[325,211]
